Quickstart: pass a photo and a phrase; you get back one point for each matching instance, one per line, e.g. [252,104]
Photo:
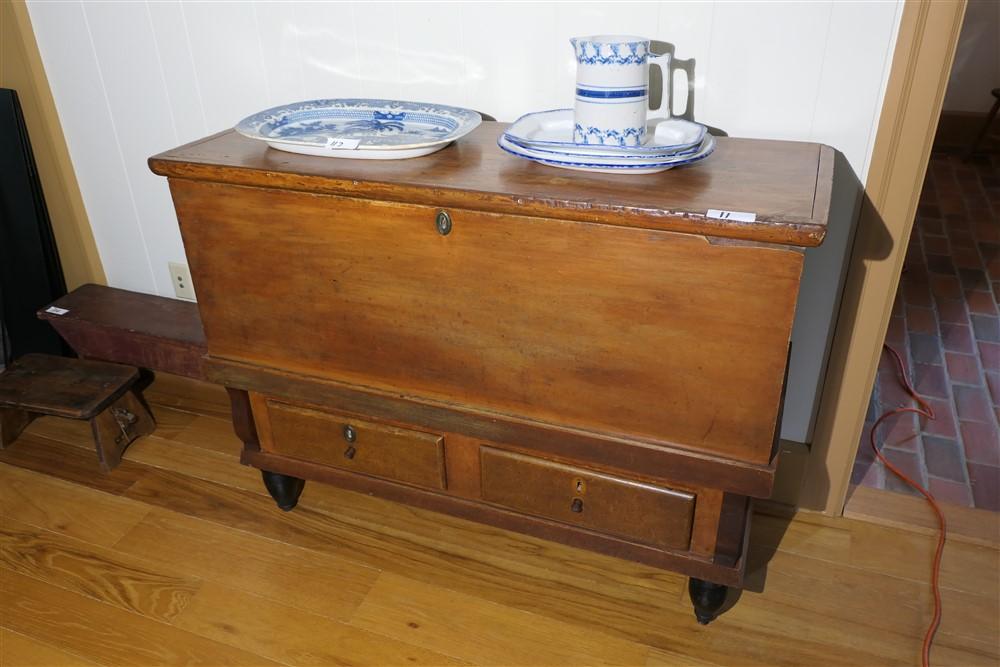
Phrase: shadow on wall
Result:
[867,239]
[870,242]
[656,83]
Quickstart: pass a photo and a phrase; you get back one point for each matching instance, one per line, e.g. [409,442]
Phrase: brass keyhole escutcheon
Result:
[443,223]
[350,435]
[577,505]
[579,486]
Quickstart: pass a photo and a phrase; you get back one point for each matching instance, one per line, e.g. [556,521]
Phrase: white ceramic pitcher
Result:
[612,89]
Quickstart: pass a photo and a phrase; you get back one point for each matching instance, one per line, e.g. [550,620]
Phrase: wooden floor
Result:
[178,557]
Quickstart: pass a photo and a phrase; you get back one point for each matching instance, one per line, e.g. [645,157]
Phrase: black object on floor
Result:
[30,273]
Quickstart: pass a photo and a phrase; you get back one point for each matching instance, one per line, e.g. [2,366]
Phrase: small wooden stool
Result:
[40,384]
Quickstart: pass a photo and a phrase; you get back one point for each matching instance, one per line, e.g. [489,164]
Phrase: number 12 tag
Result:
[342,144]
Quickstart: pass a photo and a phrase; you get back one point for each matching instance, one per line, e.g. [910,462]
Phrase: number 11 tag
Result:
[739,216]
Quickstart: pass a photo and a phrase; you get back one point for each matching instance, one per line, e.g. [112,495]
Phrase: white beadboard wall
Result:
[131,79]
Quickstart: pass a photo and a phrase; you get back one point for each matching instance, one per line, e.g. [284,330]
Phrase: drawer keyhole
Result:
[577,505]
[350,435]
[443,223]
[350,452]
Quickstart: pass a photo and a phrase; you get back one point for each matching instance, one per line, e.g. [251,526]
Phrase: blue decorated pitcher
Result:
[612,89]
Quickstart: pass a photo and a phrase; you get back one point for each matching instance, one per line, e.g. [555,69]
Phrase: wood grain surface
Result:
[441,620]
[99,573]
[360,572]
[382,450]
[104,633]
[705,525]
[73,388]
[53,504]
[968,524]
[315,581]
[12,423]
[643,334]
[16,649]
[635,457]
[726,567]
[291,636]
[786,184]
[583,497]
[140,314]
[111,436]
[144,330]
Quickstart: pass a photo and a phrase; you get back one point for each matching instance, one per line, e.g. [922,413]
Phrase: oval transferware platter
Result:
[369,129]
[610,164]
[554,130]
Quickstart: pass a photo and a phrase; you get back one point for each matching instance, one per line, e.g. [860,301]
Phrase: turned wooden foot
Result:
[285,489]
[707,599]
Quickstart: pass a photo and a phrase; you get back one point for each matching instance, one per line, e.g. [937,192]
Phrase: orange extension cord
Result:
[924,410]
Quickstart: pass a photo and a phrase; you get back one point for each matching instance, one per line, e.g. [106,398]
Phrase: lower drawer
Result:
[589,499]
[380,450]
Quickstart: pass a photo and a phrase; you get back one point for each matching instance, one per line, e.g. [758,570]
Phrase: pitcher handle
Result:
[666,99]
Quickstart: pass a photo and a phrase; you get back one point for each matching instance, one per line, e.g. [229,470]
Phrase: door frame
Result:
[921,65]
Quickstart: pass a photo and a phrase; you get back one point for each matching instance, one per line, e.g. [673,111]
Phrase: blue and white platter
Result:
[584,152]
[368,129]
[553,130]
[610,164]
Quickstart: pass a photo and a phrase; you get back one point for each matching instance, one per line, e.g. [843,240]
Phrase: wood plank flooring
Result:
[180,557]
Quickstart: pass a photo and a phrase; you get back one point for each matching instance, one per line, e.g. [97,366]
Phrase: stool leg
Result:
[122,422]
[12,422]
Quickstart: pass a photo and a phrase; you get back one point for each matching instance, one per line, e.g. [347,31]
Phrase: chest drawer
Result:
[617,506]
[380,450]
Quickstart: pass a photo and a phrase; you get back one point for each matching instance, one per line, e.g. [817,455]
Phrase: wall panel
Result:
[64,41]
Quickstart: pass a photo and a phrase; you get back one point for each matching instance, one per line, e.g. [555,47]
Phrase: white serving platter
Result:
[553,130]
[581,153]
[610,164]
[362,129]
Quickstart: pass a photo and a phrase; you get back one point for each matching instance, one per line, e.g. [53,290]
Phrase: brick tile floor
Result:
[946,326]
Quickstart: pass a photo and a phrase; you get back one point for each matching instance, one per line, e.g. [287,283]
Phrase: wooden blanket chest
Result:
[588,358]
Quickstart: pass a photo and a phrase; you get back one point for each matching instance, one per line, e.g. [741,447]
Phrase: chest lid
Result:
[749,189]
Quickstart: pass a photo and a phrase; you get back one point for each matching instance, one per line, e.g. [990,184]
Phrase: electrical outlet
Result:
[180,276]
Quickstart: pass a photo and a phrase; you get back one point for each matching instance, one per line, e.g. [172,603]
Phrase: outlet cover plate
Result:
[180,277]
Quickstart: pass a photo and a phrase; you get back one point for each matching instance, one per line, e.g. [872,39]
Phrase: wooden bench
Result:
[102,393]
[151,332]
